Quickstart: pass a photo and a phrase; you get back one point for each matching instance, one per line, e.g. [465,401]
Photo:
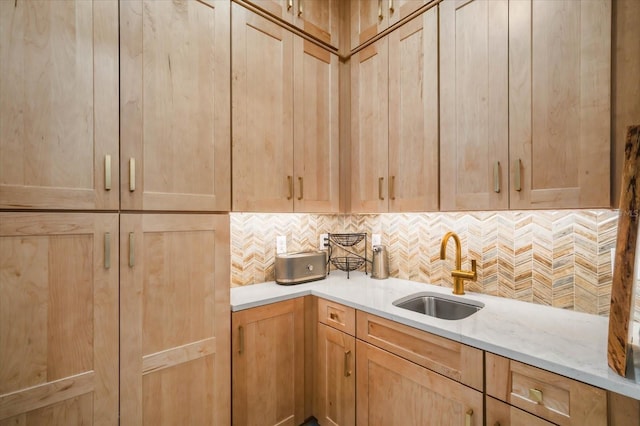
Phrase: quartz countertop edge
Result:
[569,343]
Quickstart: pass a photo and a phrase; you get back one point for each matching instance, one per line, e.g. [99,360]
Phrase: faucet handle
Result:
[473,269]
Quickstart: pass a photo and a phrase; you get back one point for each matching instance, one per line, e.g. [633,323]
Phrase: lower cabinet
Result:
[268,364]
[391,390]
[501,414]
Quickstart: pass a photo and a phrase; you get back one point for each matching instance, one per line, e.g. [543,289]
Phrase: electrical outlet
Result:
[323,242]
[281,244]
[376,239]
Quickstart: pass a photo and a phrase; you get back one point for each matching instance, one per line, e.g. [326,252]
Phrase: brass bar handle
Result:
[240,340]
[347,371]
[301,184]
[107,250]
[380,10]
[391,8]
[132,174]
[535,395]
[468,417]
[380,183]
[290,185]
[496,177]
[392,188]
[289,4]
[107,172]
[333,316]
[518,180]
[300,7]
[132,259]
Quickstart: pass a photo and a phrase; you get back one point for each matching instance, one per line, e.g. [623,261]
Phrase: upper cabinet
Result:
[175,99]
[318,18]
[285,123]
[59,110]
[394,120]
[529,127]
[370,17]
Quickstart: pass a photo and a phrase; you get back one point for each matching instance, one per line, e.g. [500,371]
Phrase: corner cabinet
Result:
[268,364]
[394,120]
[530,126]
[59,112]
[175,98]
[285,122]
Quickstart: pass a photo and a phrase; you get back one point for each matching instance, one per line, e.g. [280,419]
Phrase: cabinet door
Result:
[368,18]
[268,364]
[175,105]
[336,386]
[413,115]
[319,18]
[315,152]
[59,110]
[391,390]
[559,103]
[370,128]
[499,413]
[282,9]
[58,318]
[174,319]
[474,111]
[262,106]
[400,9]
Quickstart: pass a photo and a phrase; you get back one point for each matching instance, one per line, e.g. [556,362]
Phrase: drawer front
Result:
[502,414]
[548,395]
[451,359]
[338,316]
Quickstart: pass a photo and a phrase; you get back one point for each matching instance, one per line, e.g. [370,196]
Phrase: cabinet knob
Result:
[535,395]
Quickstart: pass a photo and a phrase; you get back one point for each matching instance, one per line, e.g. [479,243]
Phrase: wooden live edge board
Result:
[623,273]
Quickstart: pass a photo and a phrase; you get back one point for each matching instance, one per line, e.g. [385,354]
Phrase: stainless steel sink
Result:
[439,306]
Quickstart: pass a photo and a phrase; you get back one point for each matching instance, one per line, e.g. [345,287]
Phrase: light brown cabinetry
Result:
[394,120]
[555,398]
[59,318]
[529,127]
[285,124]
[318,18]
[335,370]
[175,98]
[59,111]
[174,319]
[370,17]
[501,414]
[268,364]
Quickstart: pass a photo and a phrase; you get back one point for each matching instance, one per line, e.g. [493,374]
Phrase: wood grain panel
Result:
[175,104]
[505,415]
[319,18]
[365,21]
[59,111]
[336,315]
[72,411]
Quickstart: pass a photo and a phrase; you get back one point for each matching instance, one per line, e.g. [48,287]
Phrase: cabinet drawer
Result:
[337,316]
[501,414]
[553,397]
[451,359]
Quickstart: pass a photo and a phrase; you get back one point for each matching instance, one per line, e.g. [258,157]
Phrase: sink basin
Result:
[439,306]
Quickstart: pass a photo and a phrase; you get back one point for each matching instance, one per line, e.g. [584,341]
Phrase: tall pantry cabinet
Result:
[120,315]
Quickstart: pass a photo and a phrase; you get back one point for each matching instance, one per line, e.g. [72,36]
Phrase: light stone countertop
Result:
[565,342]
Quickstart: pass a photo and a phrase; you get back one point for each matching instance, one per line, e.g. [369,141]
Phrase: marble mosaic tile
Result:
[557,258]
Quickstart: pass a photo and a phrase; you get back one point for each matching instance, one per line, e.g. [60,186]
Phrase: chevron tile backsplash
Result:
[557,258]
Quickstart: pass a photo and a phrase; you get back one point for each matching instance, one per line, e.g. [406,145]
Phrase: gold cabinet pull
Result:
[535,395]
[518,180]
[391,8]
[289,4]
[107,250]
[132,259]
[380,10]
[347,371]
[132,174]
[380,183]
[301,184]
[496,177]
[333,316]
[240,340]
[107,172]
[392,188]
[469,417]
[290,185]
[300,7]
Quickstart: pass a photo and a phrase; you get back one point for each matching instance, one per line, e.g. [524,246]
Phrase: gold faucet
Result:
[458,274]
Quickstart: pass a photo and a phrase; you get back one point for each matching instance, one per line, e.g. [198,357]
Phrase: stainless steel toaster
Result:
[302,267]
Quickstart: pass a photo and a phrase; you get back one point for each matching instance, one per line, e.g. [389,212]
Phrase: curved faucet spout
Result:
[458,274]
[443,248]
